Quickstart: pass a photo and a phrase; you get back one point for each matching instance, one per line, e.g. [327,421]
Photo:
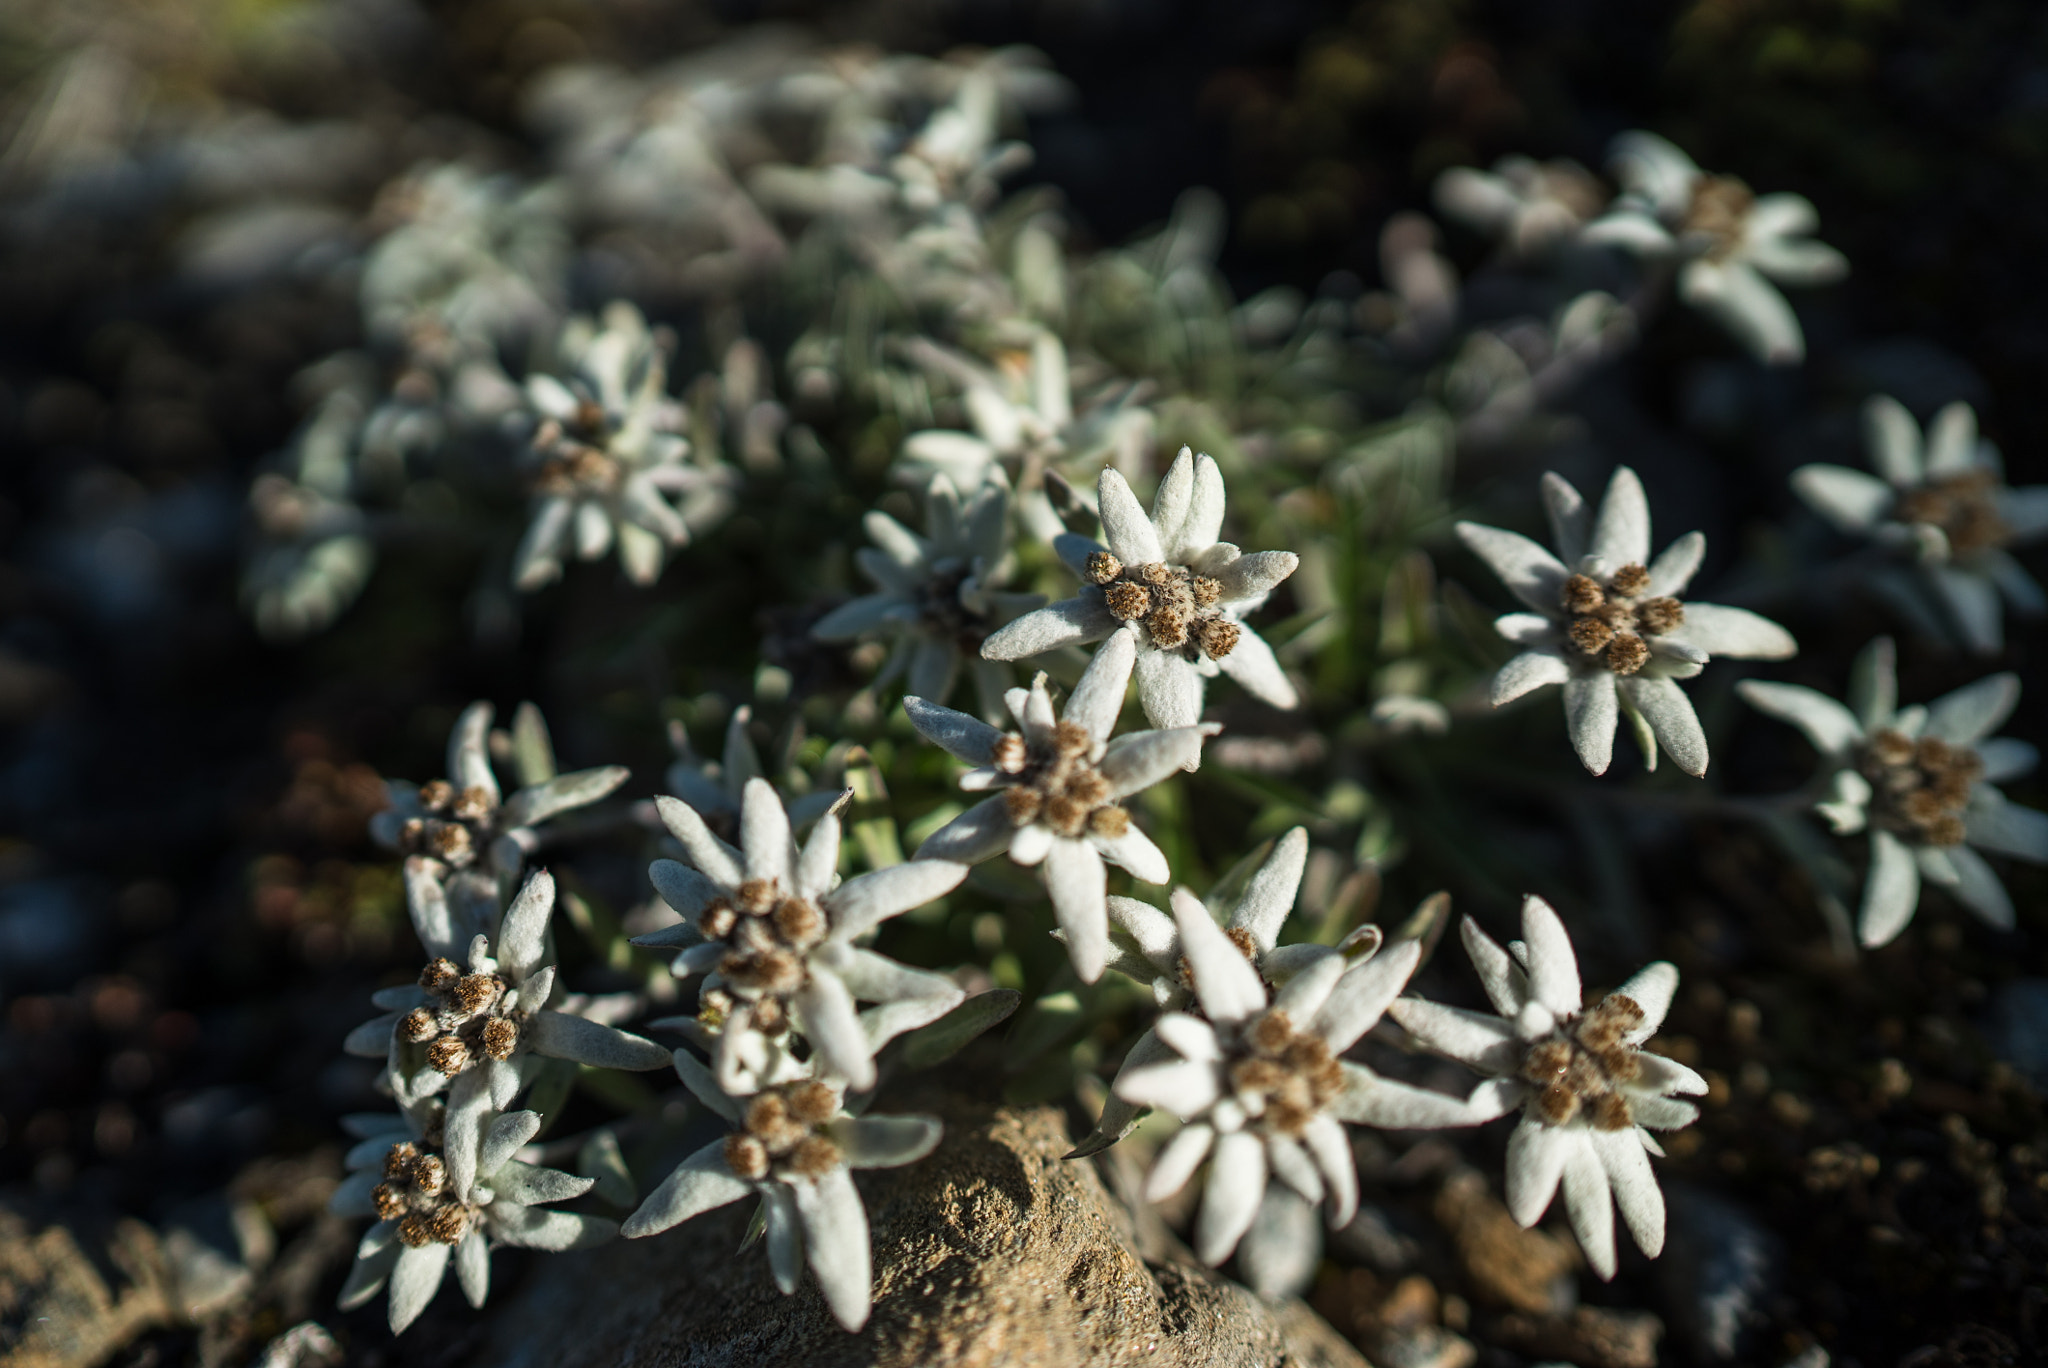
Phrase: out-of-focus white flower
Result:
[455,829]
[1593,1095]
[715,788]
[1943,498]
[442,1198]
[608,458]
[1527,206]
[1610,628]
[1258,1080]
[938,594]
[772,931]
[794,1147]
[1061,782]
[1168,583]
[1732,243]
[1920,780]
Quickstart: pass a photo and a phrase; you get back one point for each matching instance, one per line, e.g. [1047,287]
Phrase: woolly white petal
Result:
[1170,688]
[1230,1199]
[1476,1040]
[1587,1202]
[1152,929]
[1170,503]
[503,1139]
[1893,440]
[1671,717]
[983,830]
[1069,622]
[2008,829]
[699,1184]
[1506,984]
[415,1278]
[1829,725]
[1257,670]
[1178,1159]
[785,1237]
[562,1036]
[1325,1141]
[1592,709]
[1569,517]
[1634,1185]
[1973,712]
[1141,759]
[1225,982]
[1679,562]
[1099,694]
[1740,299]
[1621,532]
[1536,1156]
[1363,994]
[836,1239]
[1891,890]
[1528,671]
[718,861]
[520,942]
[864,902]
[1075,881]
[885,1141]
[1736,633]
[1553,967]
[1531,573]
[1125,526]
[473,1266]
[469,1097]
[1852,500]
[1270,893]
[967,738]
[1205,512]
[833,1027]
[1255,575]
[1133,851]
[1980,889]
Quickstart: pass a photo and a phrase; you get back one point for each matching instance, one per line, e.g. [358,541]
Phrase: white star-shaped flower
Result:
[1920,780]
[1166,579]
[443,1198]
[1942,497]
[1608,625]
[1062,784]
[1259,1085]
[467,1026]
[609,463]
[938,594]
[794,1147]
[1527,205]
[1591,1094]
[772,931]
[1733,243]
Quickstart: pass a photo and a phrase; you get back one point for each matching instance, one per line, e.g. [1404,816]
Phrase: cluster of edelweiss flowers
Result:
[1248,1052]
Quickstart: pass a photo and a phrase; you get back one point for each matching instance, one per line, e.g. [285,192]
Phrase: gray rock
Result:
[990,1251]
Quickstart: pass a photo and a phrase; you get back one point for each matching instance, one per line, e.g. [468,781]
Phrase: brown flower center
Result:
[464,1020]
[415,1194]
[766,931]
[1582,1065]
[1055,783]
[458,827]
[1611,620]
[1283,1076]
[941,613]
[1719,211]
[1962,505]
[1919,788]
[1177,607]
[783,1133]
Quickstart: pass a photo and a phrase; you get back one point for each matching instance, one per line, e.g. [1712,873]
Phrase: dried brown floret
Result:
[418,1025]
[439,974]
[436,794]
[717,918]
[1891,747]
[388,1201]
[812,1103]
[1168,628]
[756,896]
[428,1175]
[448,1224]
[1155,574]
[1581,594]
[474,804]
[1008,754]
[814,1157]
[1611,1113]
[1546,1061]
[746,1157]
[1219,638]
[398,1161]
[1629,581]
[1089,787]
[1103,567]
[798,922]
[1109,822]
[448,1055]
[1206,591]
[1627,653]
[1065,814]
[474,992]
[414,1232]
[1660,615]
[1270,1032]
[1071,738]
[1023,805]
[501,1037]
[1590,634]
[1126,601]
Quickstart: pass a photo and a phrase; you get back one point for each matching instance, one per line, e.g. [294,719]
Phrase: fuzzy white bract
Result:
[1734,247]
[1529,207]
[771,930]
[793,1146]
[1591,1095]
[1166,579]
[1941,496]
[1608,624]
[1921,781]
[938,594]
[1062,783]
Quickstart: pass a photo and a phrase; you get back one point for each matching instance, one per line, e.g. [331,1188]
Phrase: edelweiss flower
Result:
[451,829]
[1733,242]
[1593,1094]
[437,1199]
[1168,581]
[1144,944]
[772,931]
[1061,783]
[1610,628]
[608,457]
[1527,205]
[1945,499]
[466,1031]
[938,596]
[1919,780]
[794,1148]
[1259,1081]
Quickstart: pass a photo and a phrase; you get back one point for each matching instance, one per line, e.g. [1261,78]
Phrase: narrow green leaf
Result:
[951,1033]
